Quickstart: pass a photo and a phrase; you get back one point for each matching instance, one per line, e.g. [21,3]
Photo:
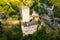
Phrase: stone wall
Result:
[29,30]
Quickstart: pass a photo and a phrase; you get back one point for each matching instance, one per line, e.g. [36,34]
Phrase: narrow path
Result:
[50,13]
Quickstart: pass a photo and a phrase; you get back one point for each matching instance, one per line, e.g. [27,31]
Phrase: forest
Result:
[11,8]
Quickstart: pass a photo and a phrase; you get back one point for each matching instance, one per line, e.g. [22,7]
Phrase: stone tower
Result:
[25,13]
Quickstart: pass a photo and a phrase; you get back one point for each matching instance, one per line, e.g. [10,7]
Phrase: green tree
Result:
[41,35]
[55,2]
[51,36]
[15,17]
